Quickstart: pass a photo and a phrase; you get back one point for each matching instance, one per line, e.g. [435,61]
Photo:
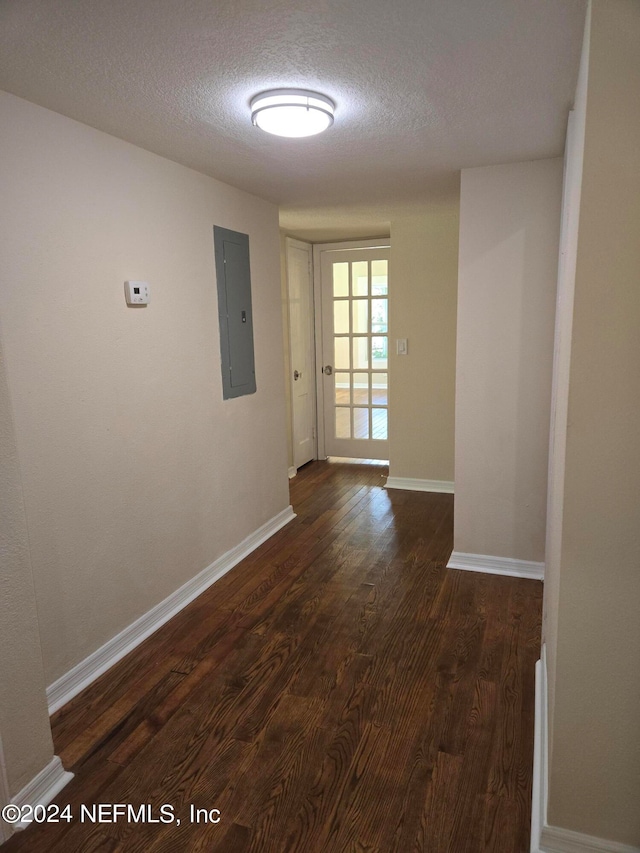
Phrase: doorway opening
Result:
[338,300]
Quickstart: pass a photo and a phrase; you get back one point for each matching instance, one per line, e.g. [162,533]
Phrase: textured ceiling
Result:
[422,89]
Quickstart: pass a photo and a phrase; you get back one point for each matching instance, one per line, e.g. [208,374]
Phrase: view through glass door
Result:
[355,324]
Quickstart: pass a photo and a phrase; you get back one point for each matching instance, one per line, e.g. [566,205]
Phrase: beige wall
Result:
[25,736]
[595,779]
[422,308]
[509,224]
[137,475]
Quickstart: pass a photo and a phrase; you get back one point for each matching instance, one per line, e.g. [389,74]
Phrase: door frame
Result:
[318,249]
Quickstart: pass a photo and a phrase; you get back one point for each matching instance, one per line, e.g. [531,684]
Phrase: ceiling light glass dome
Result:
[292,112]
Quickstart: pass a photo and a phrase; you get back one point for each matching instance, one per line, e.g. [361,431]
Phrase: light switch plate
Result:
[137,292]
[402,346]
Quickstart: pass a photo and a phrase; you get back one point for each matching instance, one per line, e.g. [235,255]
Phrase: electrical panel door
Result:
[234,311]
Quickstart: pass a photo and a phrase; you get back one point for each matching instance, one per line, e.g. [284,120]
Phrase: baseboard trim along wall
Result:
[556,840]
[42,789]
[545,838]
[496,565]
[5,799]
[412,485]
[540,753]
[292,472]
[84,673]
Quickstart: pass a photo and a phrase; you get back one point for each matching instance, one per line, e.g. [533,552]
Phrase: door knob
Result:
[296,375]
[327,370]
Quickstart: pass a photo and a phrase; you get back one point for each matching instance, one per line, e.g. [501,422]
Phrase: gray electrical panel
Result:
[234,312]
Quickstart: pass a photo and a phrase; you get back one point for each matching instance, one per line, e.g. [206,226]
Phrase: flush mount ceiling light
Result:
[292,112]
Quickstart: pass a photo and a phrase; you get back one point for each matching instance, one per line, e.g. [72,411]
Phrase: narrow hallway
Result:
[339,690]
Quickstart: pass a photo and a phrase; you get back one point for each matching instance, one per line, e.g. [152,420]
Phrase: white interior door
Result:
[301,323]
[355,344]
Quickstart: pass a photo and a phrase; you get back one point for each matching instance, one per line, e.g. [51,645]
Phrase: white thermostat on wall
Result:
[137,292]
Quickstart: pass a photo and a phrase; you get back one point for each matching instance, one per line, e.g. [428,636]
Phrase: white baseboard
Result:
[84,673]
[557,840]
[554,839]
[42,789]
[5,828]
[496,565]
[413,485]
[292,472]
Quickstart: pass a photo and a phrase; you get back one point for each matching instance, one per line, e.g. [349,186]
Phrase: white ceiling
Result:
[422,88]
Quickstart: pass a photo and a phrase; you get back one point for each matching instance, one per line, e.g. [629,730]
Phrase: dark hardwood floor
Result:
[338,691]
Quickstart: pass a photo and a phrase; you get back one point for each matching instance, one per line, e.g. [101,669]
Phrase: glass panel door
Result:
[355,321]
